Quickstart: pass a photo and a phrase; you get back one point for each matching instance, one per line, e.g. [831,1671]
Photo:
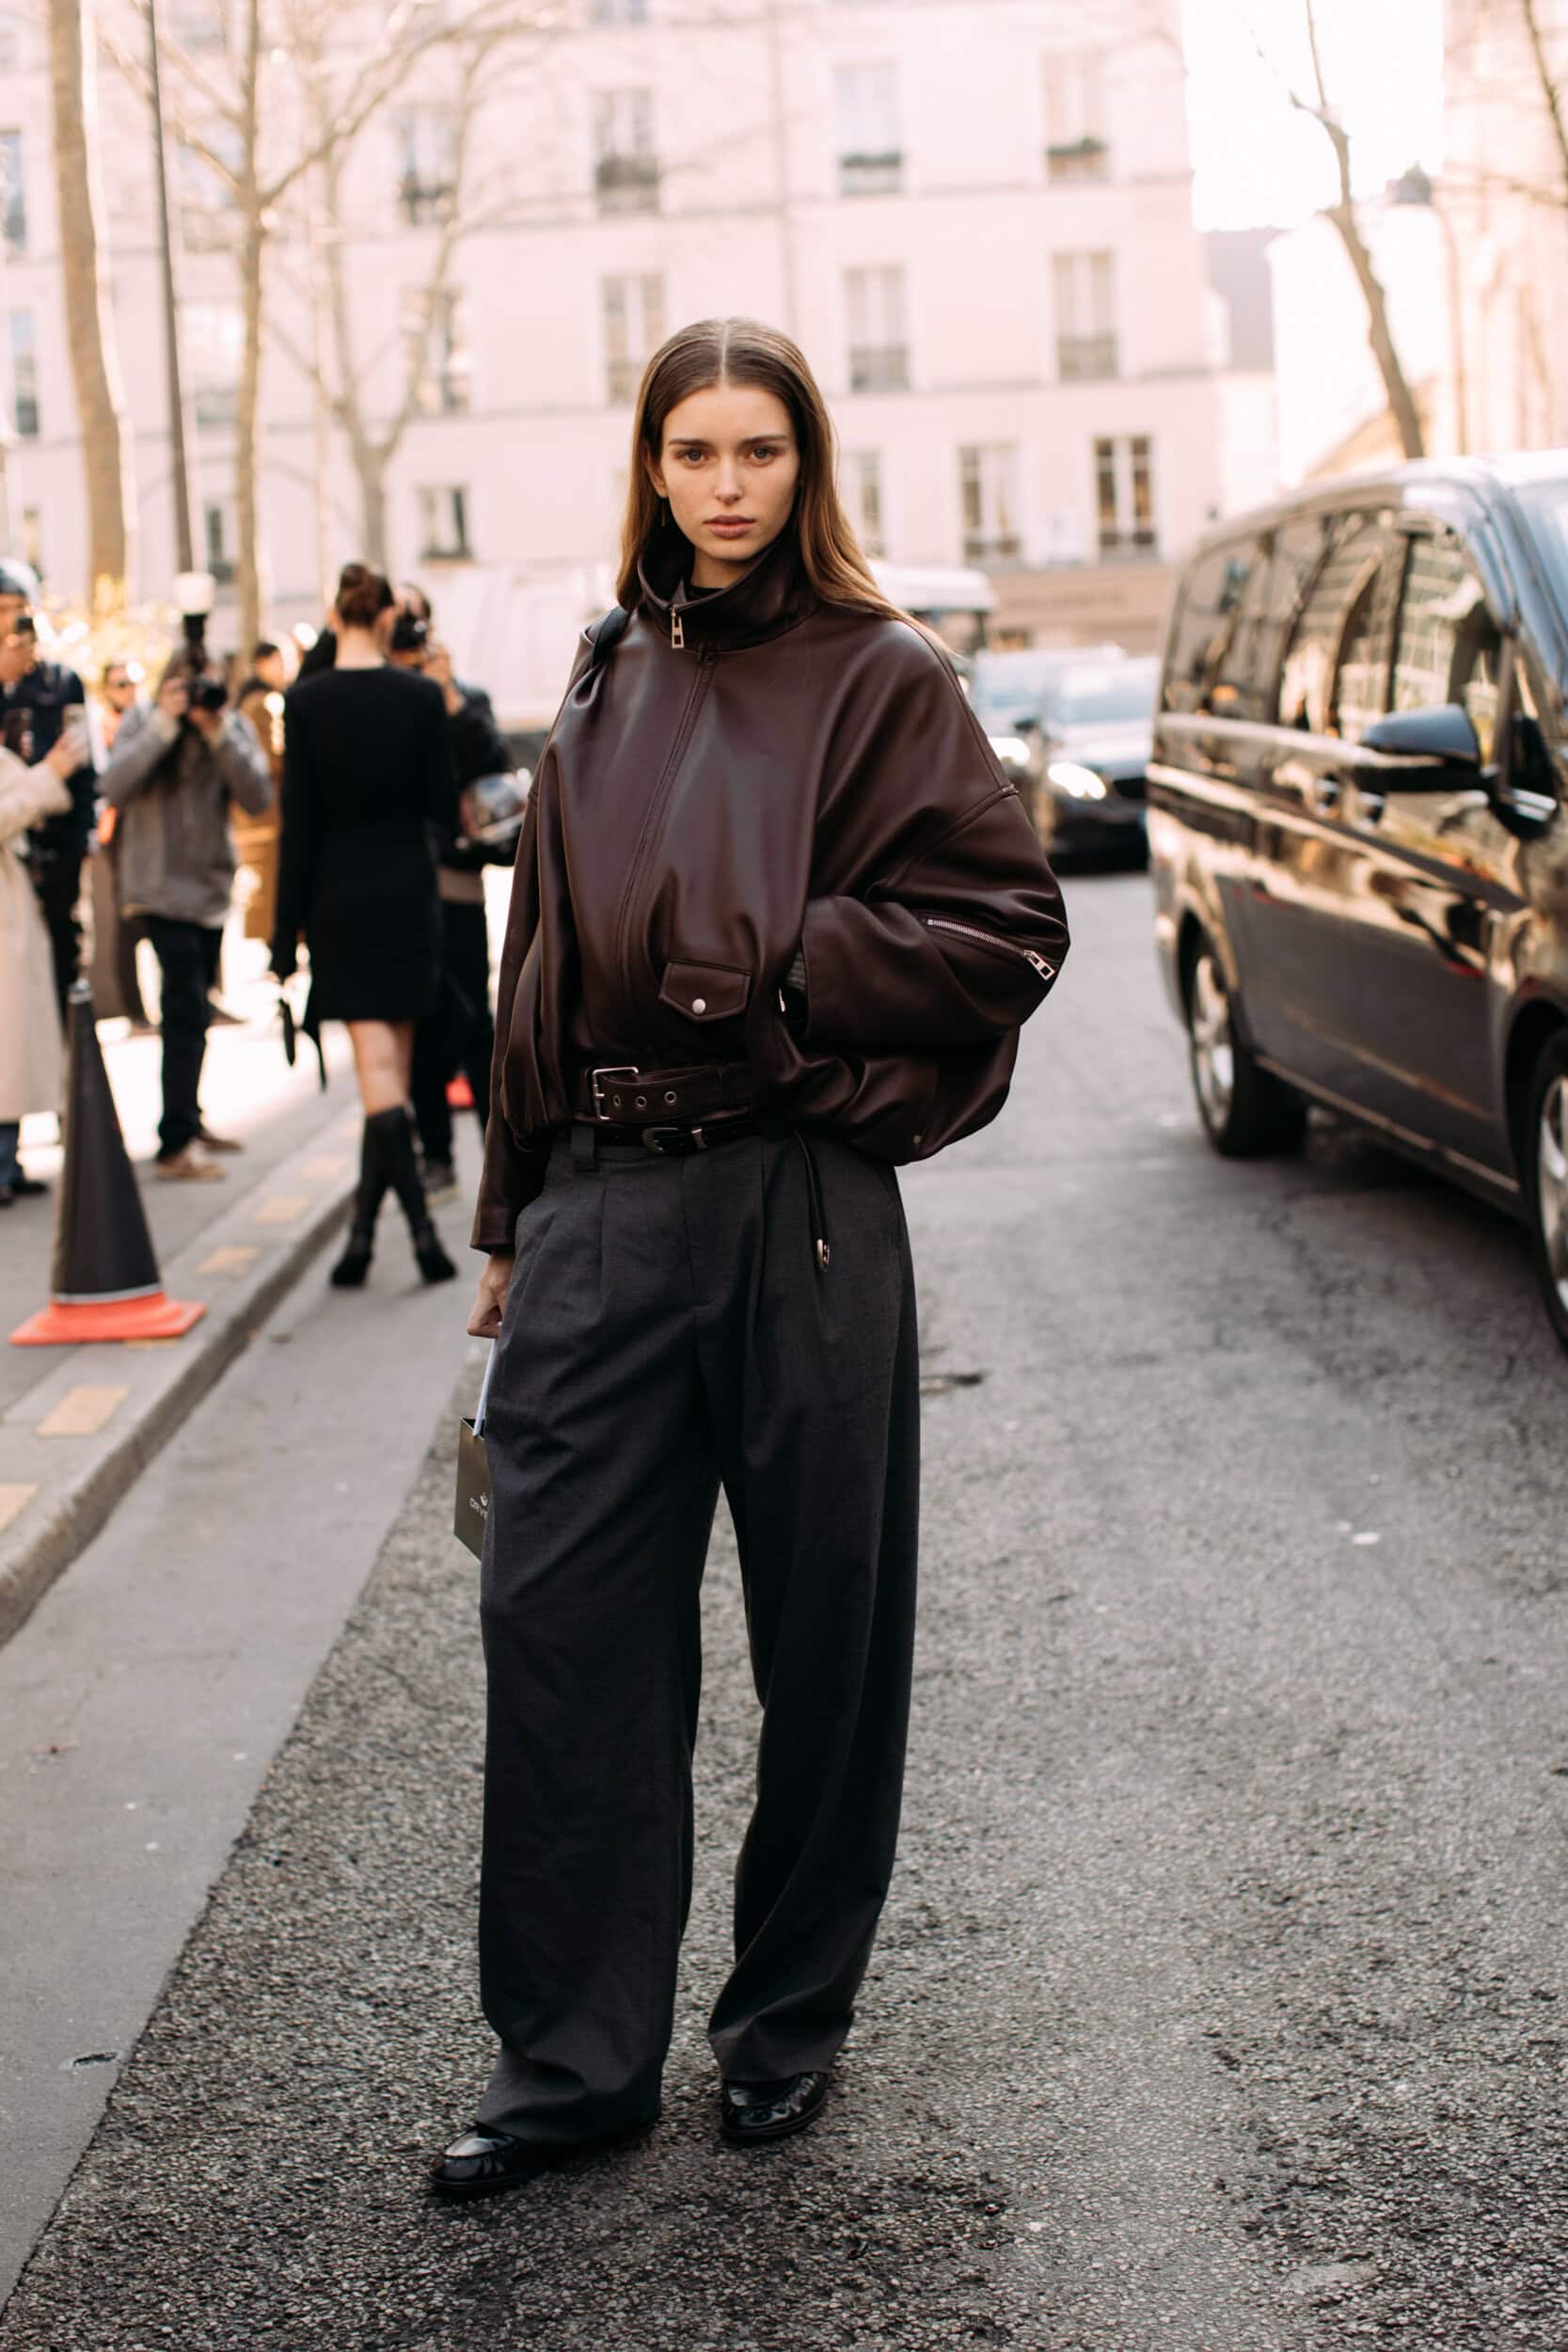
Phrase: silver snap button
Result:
[917,1138]
[699,1004]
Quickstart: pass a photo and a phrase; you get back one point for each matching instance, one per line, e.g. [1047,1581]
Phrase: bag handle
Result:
[485,1392]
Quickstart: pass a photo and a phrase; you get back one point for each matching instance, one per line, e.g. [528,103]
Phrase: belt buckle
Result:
[596,1081]
[693,1138]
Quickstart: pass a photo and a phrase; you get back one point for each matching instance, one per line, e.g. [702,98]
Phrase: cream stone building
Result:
[975,216]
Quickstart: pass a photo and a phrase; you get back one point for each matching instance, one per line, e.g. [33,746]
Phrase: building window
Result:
[1075,142]
[13,194]
[625,168]
[435,343]
[218,541]
[31,538]
[427,141]
[618,11]
[633,331]
[862,495]
[879,344]
[1124,494]
[206,199]
[214,340]
[10,43]
[24,376]
[870,148]
[1085,316]
[987,481]
[443,526]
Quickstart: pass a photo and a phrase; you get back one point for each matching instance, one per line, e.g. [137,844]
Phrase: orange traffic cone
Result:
[105,1283]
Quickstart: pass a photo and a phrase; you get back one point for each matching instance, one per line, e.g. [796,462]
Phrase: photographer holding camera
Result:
[178,764]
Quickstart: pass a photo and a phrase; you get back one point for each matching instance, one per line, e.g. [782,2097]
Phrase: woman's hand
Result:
[484,1316]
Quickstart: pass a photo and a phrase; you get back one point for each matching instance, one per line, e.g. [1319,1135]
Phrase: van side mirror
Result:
[1442,733]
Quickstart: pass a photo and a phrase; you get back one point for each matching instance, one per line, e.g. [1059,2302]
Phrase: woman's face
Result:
[729,466]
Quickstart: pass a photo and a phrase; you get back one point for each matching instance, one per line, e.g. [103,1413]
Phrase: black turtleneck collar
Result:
[765,602]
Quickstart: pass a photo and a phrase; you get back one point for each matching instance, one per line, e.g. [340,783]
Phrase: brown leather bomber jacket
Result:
[749,776]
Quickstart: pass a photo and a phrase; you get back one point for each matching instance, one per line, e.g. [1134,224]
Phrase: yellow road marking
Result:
[14,1498]
[284,1208]
[232,1257]
[82,1412]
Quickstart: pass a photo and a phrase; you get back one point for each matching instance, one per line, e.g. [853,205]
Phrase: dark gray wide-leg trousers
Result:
[669,1330]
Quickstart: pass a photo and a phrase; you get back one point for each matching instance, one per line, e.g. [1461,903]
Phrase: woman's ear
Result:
[656,475]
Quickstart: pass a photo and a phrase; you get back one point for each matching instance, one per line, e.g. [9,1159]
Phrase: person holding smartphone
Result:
[177,765]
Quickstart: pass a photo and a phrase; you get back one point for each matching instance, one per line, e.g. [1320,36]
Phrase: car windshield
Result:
[1011,688]
[1546,505]
[1116,692]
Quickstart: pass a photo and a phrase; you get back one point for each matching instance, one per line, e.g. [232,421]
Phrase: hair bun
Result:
[363,595]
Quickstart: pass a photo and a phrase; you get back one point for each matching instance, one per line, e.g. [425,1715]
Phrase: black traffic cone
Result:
[105,1283]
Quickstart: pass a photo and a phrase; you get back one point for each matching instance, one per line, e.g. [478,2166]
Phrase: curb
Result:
[73,1484]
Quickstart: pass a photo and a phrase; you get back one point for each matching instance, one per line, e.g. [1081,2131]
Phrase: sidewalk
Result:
[78,1424]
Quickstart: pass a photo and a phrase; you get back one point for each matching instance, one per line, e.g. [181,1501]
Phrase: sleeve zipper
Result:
[989,939]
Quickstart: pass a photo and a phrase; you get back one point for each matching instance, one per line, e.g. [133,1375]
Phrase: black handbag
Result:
[472,1515]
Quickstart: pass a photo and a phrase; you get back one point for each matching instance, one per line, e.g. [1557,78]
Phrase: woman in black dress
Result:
[367,772]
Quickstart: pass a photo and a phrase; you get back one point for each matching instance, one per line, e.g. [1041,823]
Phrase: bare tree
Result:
[107,461]
[1396,386]
[248,124]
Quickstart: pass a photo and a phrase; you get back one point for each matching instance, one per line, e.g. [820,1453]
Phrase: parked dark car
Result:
[1089,788]
[1356,827]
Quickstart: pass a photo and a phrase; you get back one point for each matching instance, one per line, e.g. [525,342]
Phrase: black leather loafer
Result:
[483,2163]
[753,2114]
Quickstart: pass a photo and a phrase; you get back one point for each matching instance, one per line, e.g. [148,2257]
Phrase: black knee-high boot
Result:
[352,1267]
[394,1143]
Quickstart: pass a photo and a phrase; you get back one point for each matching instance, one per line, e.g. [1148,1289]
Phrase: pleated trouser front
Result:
[670,1331]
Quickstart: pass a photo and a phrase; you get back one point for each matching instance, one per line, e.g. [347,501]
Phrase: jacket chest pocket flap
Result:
[705,992]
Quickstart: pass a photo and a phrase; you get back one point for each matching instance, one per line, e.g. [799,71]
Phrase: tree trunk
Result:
[253,255]
[373,509]
[247,435]
[89,320]
[1402,401]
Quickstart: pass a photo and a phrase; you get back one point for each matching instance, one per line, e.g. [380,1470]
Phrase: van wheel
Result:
[1247,1111]
[1546,1175]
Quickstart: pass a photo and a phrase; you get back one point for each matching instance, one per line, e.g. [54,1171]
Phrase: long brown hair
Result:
[743,351]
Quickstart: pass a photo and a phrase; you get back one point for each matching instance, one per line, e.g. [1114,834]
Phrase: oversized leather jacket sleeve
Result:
[956,932]
[513,1172]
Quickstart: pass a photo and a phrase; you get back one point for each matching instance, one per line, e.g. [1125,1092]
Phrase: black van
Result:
[1357,831]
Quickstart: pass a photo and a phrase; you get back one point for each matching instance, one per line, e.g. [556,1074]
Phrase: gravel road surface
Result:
[1222,2003]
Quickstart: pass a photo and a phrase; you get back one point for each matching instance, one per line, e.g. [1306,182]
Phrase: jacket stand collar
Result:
[768,600]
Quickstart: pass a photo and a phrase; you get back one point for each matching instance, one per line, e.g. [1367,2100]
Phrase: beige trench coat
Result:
[30,1054]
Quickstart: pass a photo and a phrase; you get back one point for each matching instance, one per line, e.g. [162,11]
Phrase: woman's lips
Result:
[733,526]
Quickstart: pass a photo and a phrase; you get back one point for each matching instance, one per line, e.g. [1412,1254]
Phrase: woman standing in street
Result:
[30,1055]
[367,773]
[777,918]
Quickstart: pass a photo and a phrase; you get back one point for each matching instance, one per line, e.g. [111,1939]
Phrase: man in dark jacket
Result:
[461,1034]
[178,764]
[45,691]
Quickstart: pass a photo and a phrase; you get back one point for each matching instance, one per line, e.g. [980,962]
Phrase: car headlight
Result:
[1011,750]
[1079,782]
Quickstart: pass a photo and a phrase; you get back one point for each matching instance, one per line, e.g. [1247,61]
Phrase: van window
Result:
[1449,649]
[1335,662]
[1205,624]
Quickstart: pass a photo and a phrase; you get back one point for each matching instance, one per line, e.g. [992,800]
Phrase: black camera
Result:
[409,634]
[208,694]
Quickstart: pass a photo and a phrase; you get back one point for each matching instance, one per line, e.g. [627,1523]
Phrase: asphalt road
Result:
[1221,2004]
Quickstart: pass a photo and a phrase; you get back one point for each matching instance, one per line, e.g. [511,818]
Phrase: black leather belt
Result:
[621,1093]
[672,1142]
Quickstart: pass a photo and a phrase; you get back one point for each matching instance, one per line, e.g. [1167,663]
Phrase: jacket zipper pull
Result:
[677,632]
